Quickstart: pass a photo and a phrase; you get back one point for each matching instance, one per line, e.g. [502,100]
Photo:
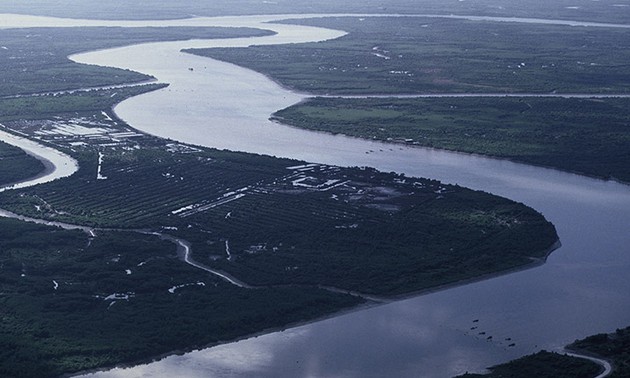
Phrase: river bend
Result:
[57,164]
[582,289]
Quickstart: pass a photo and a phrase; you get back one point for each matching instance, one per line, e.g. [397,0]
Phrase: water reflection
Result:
[583,288]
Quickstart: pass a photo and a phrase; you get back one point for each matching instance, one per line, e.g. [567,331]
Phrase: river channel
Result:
[57,164]
[583,288]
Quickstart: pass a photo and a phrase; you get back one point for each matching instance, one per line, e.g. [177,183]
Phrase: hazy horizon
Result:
[604,10]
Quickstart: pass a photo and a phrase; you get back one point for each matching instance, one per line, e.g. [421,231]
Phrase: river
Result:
[57,164]
[582,289]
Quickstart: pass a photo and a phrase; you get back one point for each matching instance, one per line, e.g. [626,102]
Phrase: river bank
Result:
[108,158]
[530,131]
[57,164]
[180,243]
[590,214]
[561,197]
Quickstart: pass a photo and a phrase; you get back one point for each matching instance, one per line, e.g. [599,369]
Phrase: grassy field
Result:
[591,137]
[429,55]
[86,102]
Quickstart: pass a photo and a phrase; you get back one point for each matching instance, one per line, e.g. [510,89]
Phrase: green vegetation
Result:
[429,55]
[588,136]
[16,165]
[142,187]
[542,365]
[288,228]
[277,223]
[614,347]
[70,302]
[381,239]
[45,106]
[35,60]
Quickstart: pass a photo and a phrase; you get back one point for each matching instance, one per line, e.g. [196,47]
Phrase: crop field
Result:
[137,188]
[401,229]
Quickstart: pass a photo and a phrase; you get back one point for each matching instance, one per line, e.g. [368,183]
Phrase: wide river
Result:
[584,287]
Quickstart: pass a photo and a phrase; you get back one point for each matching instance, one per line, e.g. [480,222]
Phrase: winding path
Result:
[185,251]
[608,369]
